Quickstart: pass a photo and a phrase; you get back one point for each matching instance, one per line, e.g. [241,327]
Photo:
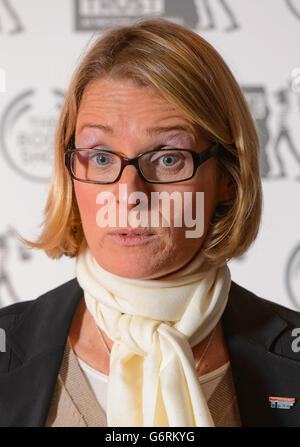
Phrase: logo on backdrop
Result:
[294,6]
[9,19]
[292,276]
[258,102]
[27,133]
[9,243]
[278,146]
[95,15]
[207,15]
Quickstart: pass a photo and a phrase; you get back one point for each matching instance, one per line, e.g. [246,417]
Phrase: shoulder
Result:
[43,306]
[246,302]
[251,318]
[36,326]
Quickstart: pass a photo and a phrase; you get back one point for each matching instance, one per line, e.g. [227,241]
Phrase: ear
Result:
[227,188]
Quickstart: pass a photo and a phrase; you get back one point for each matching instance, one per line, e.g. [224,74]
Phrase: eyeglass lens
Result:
[165,165]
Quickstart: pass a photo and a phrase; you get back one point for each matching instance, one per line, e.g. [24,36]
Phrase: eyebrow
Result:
[150,131]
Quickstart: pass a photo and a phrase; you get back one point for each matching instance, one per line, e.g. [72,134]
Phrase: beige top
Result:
[74,404]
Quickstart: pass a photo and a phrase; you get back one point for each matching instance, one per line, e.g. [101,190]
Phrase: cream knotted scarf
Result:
[154,324]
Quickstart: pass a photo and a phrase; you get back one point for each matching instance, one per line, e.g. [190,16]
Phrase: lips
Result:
[132,232]
[132,236]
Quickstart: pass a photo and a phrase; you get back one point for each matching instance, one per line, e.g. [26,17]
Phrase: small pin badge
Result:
[282,402]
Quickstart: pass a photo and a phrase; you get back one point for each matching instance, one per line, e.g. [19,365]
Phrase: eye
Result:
[168,159]
[101,158]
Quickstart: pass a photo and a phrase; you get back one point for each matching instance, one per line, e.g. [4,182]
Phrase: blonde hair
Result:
[191,75]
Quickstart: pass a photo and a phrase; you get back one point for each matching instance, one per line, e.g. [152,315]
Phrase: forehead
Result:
[121,92]
[114,103]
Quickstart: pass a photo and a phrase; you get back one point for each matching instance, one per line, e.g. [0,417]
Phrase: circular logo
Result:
[27,133]
[292,276]
[294,6]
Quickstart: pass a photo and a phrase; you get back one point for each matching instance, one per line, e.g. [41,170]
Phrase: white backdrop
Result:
[40,45]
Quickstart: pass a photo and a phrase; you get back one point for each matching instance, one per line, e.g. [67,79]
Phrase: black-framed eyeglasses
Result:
[170,165]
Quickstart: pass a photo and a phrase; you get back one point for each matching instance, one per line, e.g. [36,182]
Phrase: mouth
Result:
[132,236]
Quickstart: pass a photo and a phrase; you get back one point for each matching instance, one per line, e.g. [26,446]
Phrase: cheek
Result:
[208,184]
[86,199]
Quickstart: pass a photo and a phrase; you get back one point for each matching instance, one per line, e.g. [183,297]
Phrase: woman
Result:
[151,331]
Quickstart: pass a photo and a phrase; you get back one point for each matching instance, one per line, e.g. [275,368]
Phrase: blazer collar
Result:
[37,343]
[251,318]
[45,323]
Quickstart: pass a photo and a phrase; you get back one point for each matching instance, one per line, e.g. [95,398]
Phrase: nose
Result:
[134,184]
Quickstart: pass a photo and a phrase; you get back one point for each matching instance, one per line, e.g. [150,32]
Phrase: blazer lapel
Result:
[36,345]
[251,329]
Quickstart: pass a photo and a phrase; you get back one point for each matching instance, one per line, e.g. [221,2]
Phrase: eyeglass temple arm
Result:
[209,152]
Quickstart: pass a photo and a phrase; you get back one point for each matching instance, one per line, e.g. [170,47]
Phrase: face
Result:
[117,115]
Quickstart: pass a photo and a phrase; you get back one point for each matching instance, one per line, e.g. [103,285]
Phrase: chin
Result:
[131,267]
[130,272]
[146,261]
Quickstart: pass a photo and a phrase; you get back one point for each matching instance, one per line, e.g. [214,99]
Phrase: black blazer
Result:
[257,332]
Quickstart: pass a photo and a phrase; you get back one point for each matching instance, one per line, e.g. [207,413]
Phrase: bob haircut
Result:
[187,71]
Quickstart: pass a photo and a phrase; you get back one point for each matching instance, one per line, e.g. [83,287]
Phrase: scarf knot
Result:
[137,333]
